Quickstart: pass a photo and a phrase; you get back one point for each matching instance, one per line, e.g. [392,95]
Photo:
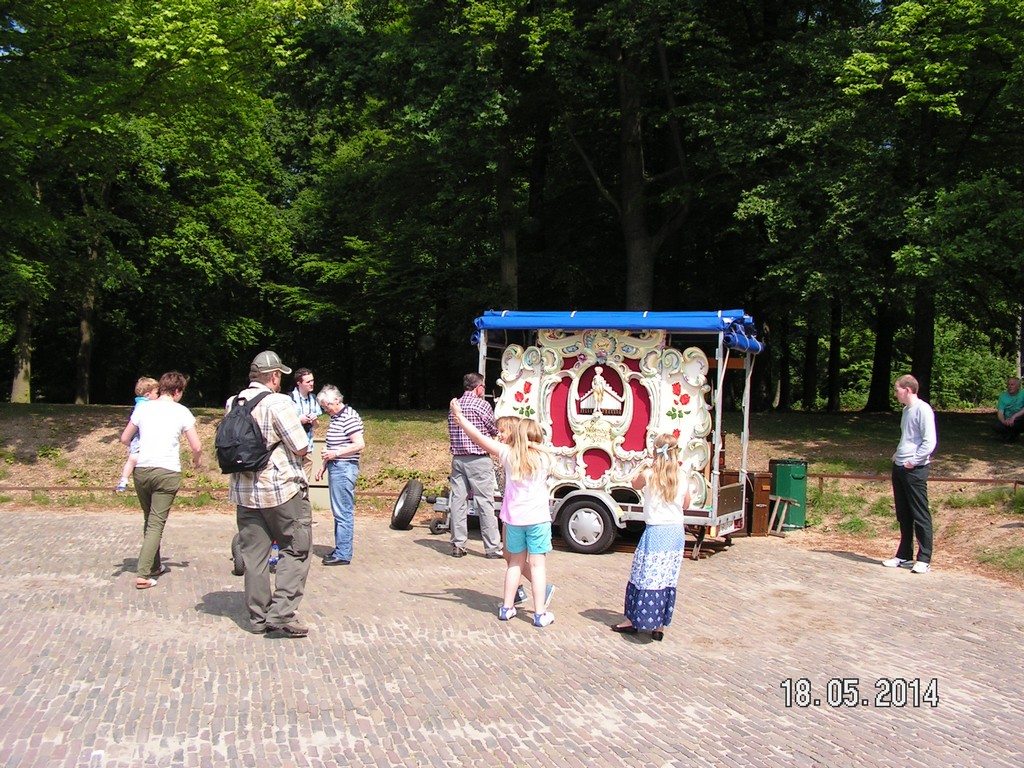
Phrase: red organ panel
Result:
[598,462]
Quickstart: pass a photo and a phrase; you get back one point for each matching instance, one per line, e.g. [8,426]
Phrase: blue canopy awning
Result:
[737,326]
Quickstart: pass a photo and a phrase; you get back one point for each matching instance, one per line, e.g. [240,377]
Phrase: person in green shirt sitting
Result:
[1010,411]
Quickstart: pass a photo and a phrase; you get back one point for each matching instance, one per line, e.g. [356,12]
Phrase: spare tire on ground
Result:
[405,505]
[238,569]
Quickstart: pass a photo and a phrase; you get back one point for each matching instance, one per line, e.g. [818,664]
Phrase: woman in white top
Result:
[651,592]
[160,424]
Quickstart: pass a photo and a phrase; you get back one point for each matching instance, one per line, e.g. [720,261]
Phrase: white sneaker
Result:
[920,567]
[894,562]
[543,619]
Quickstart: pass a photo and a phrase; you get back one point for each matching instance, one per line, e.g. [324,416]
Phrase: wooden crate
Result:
[758,489]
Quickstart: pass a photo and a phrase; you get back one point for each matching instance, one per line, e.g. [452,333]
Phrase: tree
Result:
[104,102]
[942,73]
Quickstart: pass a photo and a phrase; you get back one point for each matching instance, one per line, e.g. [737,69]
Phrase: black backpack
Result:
[241,446]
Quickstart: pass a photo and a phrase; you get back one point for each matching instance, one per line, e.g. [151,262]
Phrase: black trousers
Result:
[910,493]
[1009,433]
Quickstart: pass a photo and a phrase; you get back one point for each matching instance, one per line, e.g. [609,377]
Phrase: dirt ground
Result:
[71,457]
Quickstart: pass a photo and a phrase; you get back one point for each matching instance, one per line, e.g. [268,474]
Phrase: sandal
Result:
[145,583]
[164,569]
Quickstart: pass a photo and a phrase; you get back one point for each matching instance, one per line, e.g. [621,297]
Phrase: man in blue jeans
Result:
[342,446]
[910,462]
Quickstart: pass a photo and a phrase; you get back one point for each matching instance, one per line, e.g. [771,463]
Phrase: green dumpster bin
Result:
[789,479]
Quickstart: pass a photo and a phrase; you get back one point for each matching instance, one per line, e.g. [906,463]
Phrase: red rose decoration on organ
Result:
[527,386]
[684,400]
[520,397]
[675,433]
[677,389]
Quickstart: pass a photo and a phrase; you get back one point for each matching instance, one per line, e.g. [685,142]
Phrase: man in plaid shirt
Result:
[472,470]
[273,505]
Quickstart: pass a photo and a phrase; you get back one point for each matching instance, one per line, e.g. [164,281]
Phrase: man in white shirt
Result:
[910,462]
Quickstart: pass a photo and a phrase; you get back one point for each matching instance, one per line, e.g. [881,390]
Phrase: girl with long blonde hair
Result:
[651,591]
[524,509]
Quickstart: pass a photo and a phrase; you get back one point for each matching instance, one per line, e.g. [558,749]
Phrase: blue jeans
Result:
[341,484]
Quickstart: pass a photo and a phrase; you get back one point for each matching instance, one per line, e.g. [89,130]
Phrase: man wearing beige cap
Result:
[273,505]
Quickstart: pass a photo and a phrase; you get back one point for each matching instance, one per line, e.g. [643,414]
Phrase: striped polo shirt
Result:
[339,432]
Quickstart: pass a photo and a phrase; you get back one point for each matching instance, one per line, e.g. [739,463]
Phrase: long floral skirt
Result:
[651,592]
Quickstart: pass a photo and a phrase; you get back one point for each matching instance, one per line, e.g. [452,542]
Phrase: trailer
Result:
[603,385]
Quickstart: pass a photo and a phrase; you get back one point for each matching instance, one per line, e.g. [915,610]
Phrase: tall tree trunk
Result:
[835,341]
[924,340]
[632,203]
[810,375]
[507,224]
[21,386]
[785,401]
[395,371]
[1020,338]
[533,241]
[86,331]
[880,394]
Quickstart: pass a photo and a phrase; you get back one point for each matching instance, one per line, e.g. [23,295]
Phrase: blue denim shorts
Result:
[535,539]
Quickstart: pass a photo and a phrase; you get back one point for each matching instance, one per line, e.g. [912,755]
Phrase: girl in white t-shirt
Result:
[524,509]
[651,592]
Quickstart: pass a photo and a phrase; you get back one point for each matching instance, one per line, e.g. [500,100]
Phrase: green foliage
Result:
[968,373]
[345,181]
[49,452]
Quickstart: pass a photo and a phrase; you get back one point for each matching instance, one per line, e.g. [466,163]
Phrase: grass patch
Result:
[1010,559]
[201,499]
[855,525]
[382,475]
[39,497]
[830,501]
[990,498]
[1016,505]
[402,429]
[48,452]
[78,499]
[206,482]
[881,507]
[835,467]
[5,499]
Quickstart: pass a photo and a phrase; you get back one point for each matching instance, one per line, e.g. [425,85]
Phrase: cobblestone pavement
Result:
[407,664]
